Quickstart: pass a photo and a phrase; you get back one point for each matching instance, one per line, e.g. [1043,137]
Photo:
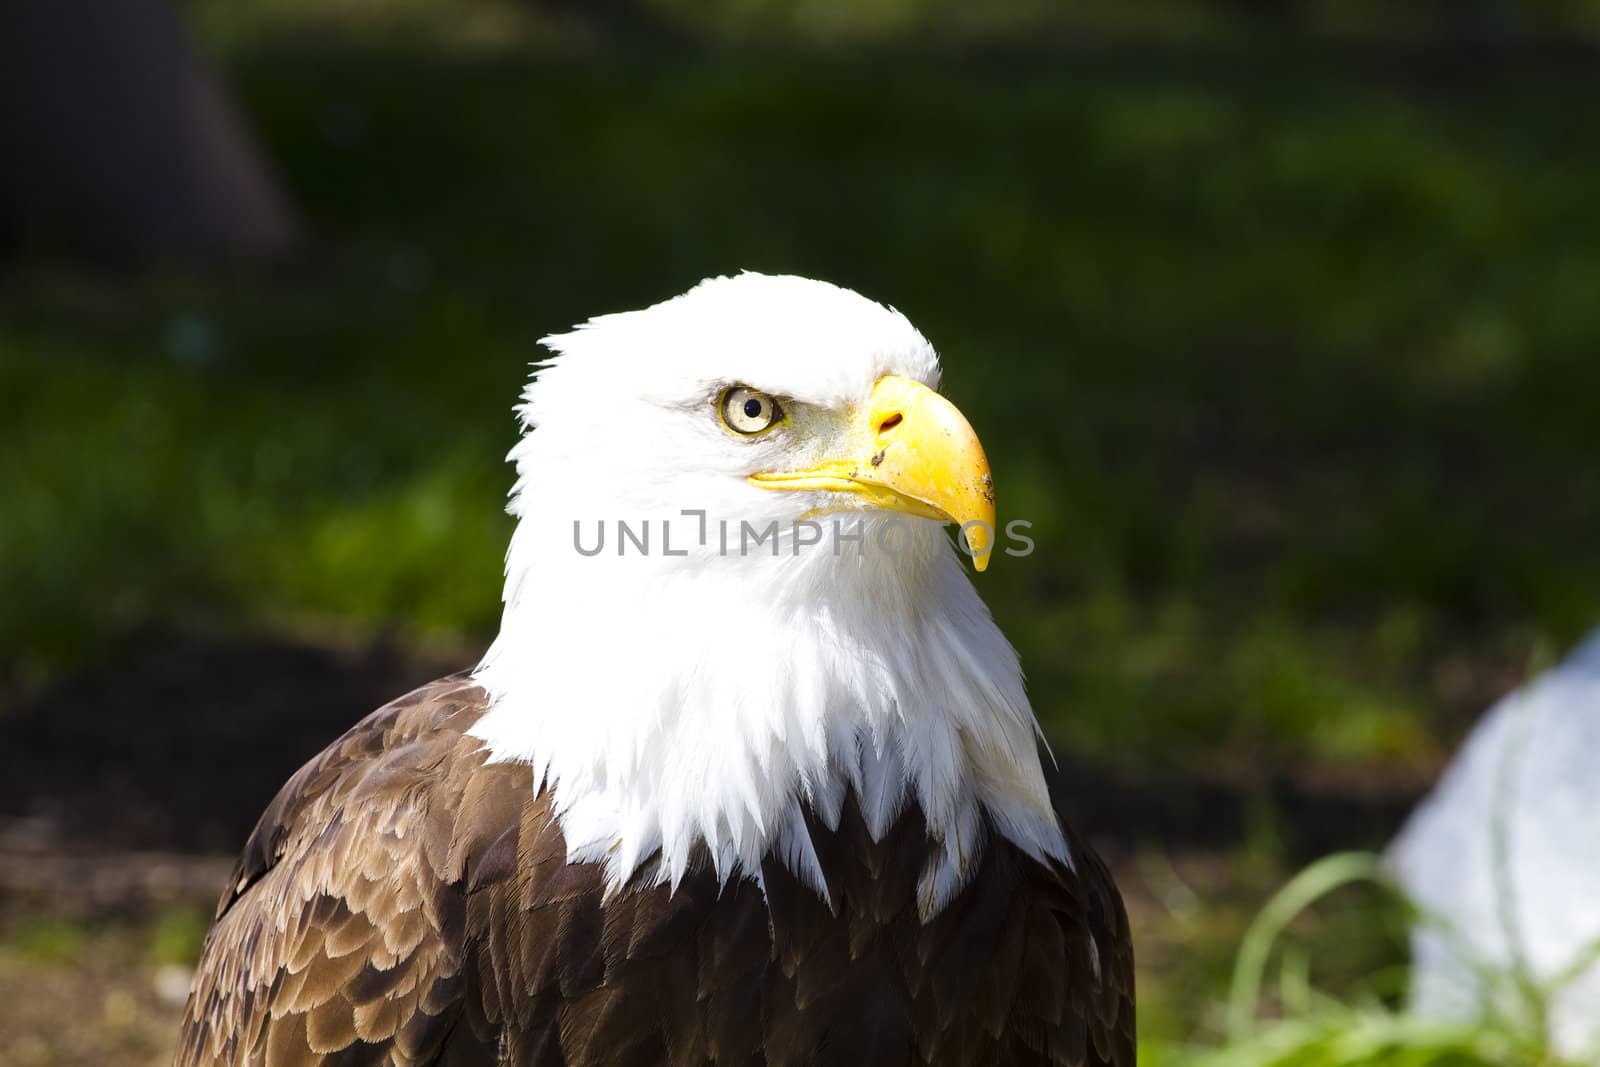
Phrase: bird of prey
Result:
[748,775]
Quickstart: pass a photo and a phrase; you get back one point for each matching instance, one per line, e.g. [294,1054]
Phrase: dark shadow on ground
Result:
[1182,811]
[180,749]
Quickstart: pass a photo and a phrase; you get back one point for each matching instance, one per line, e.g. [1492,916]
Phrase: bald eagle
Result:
[748,775]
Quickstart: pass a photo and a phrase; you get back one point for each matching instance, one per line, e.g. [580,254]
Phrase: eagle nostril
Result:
[890,423]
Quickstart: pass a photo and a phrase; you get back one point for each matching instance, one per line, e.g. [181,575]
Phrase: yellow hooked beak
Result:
[909,450]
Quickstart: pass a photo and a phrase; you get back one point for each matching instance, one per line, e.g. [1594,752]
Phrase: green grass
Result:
[46,940]
[1287,368]
[169,934]
[1337,1037]
[176,934]
[1294,1023]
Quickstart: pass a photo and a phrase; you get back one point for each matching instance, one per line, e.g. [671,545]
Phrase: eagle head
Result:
[730,605]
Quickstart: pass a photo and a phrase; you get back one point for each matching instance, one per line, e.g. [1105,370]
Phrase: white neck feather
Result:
[670,702]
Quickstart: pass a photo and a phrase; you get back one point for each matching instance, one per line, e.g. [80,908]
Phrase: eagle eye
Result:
[747,412]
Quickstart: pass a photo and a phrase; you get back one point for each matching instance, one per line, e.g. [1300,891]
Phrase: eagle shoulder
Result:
[340,934]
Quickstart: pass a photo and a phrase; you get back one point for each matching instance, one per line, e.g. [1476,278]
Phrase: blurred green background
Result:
[1278,322]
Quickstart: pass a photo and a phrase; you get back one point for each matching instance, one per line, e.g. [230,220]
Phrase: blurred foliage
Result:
[1107,21]
[1308,1027]
[81,990]
[176,934]
[833,22]
[1339,1037]
[46,939]
[1288,366]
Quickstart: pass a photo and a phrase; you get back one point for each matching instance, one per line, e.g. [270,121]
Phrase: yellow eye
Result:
[747,412]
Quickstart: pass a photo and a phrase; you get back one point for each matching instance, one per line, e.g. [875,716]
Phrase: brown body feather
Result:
[403,902]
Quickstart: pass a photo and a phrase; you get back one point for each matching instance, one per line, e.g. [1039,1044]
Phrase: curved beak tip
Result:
[913,452]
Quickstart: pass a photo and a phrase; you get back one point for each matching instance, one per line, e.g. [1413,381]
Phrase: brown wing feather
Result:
[404,903]
[341,935]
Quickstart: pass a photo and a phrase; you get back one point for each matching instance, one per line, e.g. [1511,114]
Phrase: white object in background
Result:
[1506,850]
